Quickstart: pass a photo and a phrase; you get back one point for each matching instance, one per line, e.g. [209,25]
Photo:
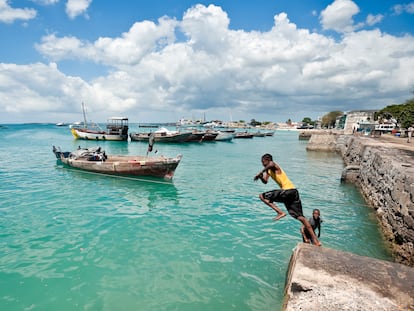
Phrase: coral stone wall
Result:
[384,174]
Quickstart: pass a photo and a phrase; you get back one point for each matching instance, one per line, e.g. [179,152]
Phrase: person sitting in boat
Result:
[96,156]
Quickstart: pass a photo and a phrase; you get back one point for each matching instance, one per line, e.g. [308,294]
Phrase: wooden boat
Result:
[116,129]
[243,135]
[62,124]
[196,136]
[97,161]
[225,135]
[210,136]
[162,135]
[259,134]
[201,136]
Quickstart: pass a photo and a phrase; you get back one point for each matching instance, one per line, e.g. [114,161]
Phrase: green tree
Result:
[253,122]
[308,121]
[329,119]
[403,114]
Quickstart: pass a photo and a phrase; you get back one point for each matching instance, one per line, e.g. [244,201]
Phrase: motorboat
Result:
[116,129]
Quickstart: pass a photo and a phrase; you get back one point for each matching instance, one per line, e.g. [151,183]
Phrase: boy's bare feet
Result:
[279,216]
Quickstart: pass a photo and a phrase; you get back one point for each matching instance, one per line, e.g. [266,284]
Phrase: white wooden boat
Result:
[116,129]
[225,135]
[97,161]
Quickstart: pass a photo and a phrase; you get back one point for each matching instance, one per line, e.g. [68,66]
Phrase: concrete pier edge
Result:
[328,279]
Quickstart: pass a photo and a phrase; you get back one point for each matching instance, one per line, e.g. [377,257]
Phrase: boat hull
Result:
[132,166]
[201,136]
[243,135]
[160,137]
[97,135]
[225,136]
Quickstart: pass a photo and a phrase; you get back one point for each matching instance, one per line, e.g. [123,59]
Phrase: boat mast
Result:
[84,115]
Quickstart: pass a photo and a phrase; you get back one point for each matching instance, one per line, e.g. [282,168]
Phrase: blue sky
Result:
[160,61]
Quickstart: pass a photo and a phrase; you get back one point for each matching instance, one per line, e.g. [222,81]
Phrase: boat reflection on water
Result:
[139,195]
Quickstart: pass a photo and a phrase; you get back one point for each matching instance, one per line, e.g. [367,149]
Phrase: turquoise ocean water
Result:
[76,241]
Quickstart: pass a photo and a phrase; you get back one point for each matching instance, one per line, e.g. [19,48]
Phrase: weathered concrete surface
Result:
[382,168]
[323,141]
[320,278]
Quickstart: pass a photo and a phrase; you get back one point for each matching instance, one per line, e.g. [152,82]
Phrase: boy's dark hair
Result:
[267,156]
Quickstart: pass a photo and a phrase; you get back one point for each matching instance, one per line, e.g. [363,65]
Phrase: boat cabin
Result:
[117,125]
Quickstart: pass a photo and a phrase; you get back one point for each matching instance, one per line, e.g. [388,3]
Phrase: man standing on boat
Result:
[288,194]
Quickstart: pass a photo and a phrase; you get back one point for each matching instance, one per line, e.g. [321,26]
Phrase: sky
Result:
[163,60]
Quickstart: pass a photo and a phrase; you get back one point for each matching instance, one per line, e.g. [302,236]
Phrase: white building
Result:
[358,118]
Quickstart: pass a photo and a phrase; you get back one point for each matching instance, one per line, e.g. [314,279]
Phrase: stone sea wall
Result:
[384,174]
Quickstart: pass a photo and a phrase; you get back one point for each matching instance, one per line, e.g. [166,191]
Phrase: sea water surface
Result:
[76,241]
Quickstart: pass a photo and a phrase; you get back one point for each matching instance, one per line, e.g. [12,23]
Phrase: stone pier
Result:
[320,278]
[382,169]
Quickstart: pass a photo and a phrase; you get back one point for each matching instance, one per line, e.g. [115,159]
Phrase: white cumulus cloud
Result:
[374,19]
[9,14]
[155,73]
[128,49]
[338,16]
[404,8]
[75,8]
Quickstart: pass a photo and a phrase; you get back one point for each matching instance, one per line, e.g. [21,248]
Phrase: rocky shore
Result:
[382,168]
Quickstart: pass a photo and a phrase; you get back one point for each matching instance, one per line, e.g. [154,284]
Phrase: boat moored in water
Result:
[116,129]
[202,136]
[243,135]
[97,161]
[225,135]
[162,135]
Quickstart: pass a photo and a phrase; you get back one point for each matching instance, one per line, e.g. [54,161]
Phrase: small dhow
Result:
[97,161]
